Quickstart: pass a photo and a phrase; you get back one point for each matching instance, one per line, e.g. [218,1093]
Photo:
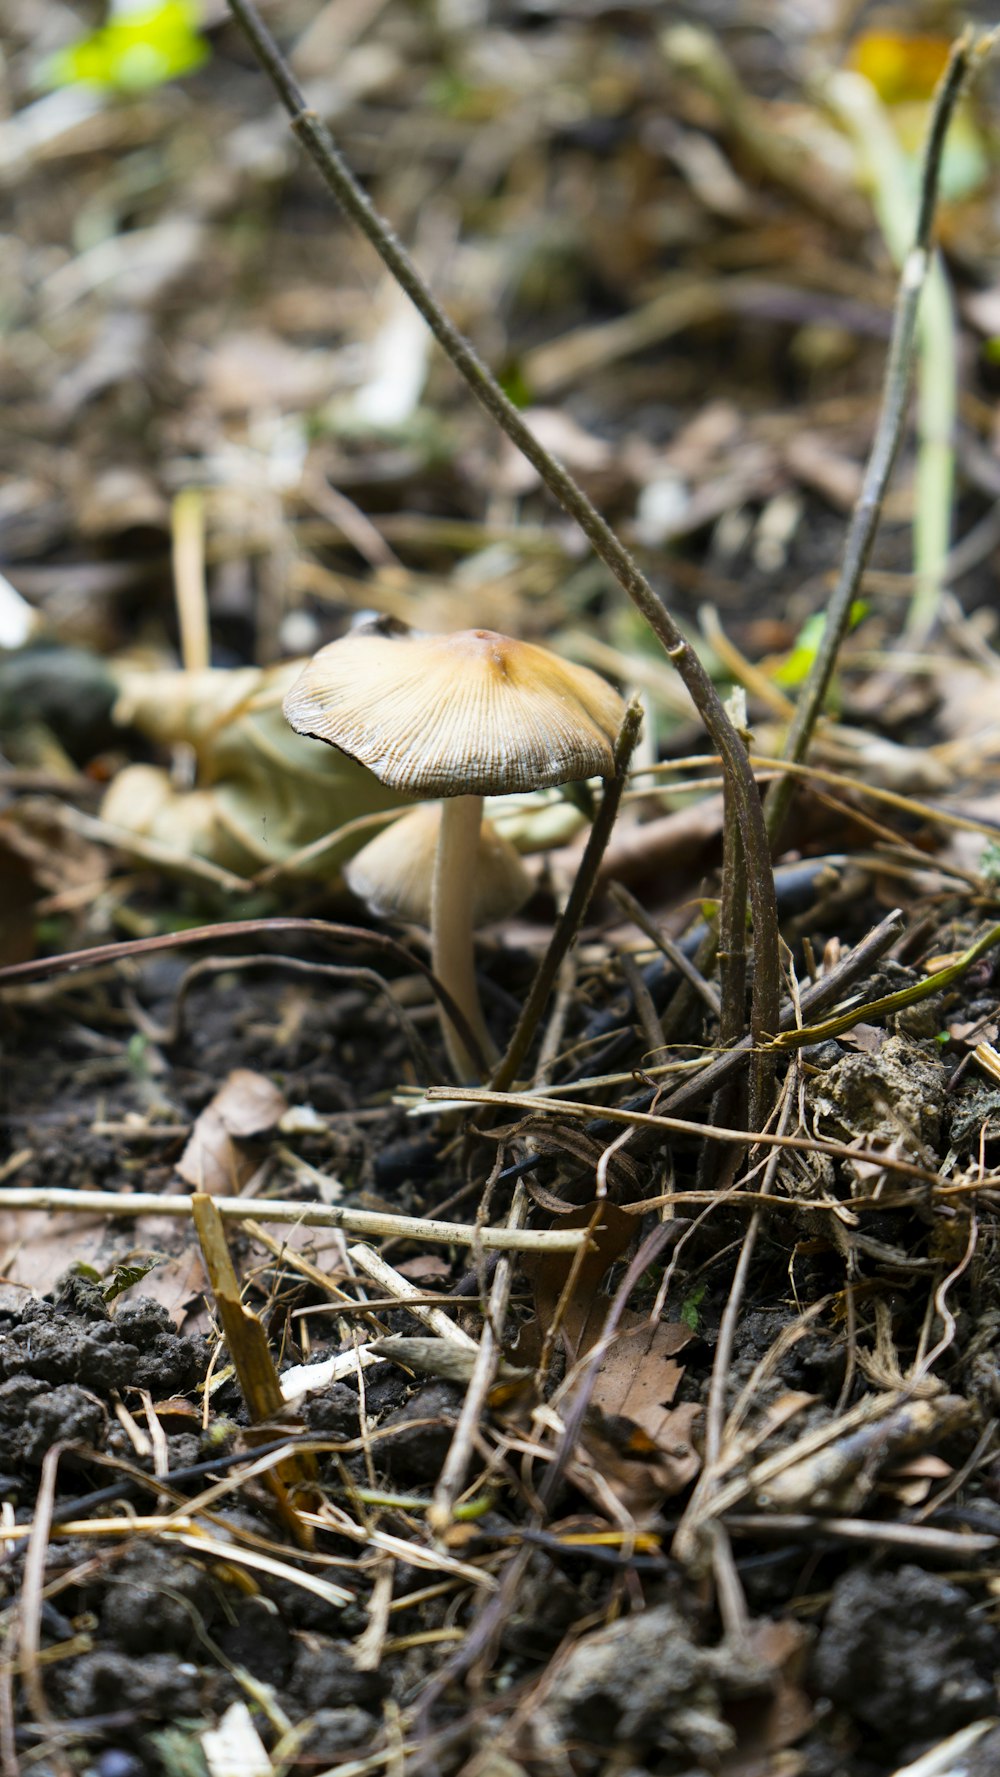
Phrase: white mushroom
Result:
[461,717]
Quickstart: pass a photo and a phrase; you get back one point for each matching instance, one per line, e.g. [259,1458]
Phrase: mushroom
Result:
[460,717]
[394,873]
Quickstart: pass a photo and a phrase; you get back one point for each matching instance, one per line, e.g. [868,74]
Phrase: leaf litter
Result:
[780,1564]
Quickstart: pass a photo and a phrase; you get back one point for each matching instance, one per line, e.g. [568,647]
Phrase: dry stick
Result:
[10,1764]
[626,902]
[732,964]
[657,1124]
[572,915]
[456,1464]
[401,1290]
[953,1545]
[311,1215]
[888,435]
[319,144]
[250,1352]
[29,1627]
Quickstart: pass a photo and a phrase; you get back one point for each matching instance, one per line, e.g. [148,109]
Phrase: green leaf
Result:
[690,1307]
[134,51]
[797,663]
[124,1276]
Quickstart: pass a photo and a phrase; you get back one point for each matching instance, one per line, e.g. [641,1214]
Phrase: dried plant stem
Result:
[456,1464]
[572,916]
[727,1106]
[29,1622]
[310,1215]
[400,1289]
[251,1356]
[888,435]
[319,144]
[571,1110]
[688,1539]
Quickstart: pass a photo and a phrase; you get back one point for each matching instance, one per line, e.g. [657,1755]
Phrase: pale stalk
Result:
[452,950]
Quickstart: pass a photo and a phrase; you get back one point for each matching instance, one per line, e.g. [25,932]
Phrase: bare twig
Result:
[570,1109]
[571,918]
[455,1467]
[401,1290]
[30,1610]
[633,910]
[325,155]
[311,1215]
[921,1539]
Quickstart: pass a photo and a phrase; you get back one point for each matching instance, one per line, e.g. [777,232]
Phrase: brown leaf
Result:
[638,1378]
[584,1311]
[246,1105]
[641,1443]
[766,1724]
[639,1472]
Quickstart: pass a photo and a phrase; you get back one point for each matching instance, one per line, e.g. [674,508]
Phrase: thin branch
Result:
[310,1215]
[571,1110]
[460,1451]
[888,435]
[572,916]
[319,144]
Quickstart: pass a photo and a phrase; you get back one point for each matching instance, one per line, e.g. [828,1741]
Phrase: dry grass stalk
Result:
[251,1355]
[312,1215]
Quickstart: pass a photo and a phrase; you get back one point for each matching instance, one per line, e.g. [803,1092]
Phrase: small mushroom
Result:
[461,717]
[394,873]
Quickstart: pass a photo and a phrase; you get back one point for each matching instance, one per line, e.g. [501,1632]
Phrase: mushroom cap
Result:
[394,873]
[469,714]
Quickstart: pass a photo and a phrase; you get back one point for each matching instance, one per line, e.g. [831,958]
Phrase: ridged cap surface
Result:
[469,714]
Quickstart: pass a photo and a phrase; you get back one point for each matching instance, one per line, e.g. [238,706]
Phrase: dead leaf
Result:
[638,1377]
[642,1472]
[214,1161]
[766,1724]
[583,1313]
[639,1441]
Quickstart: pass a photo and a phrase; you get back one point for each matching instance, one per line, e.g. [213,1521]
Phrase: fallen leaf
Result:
[766,1724]
[585,1310]
[214,1160]
[638,1377]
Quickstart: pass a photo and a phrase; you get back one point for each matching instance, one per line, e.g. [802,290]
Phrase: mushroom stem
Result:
[452,953]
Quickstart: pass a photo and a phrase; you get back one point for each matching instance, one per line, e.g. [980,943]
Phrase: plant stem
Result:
[888,436]
[368,1222]
[319,144]
[452,951]
[571,918]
